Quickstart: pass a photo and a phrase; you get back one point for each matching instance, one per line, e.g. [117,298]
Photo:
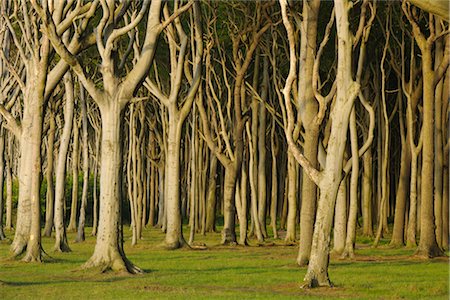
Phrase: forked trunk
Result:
[317,274]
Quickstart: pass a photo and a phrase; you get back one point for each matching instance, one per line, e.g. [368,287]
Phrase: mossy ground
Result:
[230,272]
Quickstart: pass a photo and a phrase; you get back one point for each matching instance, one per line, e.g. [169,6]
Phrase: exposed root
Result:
[228,243]
[316,281]
[429,252]
[115,263]
[228,237]
[396,244]
[35,256]
[62,247]
[302,261]
[348,253]
[198,246]
[17,249]
[180,243]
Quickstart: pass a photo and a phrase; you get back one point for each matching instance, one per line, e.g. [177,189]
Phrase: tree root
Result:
[429,253]
[116,263]
[62,247]
[313,281]
[17,249]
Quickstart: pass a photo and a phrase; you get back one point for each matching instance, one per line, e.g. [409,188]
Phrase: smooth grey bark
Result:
[340,219]
[85,151]
[50,201]
[308,111]
[2,178]
[61,243]
[75,158]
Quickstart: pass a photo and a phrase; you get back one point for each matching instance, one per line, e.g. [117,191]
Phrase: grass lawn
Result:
[222,273]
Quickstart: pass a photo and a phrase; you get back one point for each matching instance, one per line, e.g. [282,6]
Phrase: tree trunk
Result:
[82,220]
[347,90]
[367,192]
[353,210]
[274,179]
[228,232]
[23,223]
[2,177]
[9,186]
[174,235]
[34,248]
[50,186]
[262,189]
[108,252]
[292,200]
[75,168]
[402,193]
[309,198]
[428,246]
[241,207]
[94,187]
[308,110]
[61,244]
[340,219]
[211,195]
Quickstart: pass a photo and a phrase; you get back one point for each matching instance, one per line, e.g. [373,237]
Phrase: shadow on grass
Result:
[53,282]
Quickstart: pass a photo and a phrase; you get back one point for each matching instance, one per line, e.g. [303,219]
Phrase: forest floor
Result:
[231,272]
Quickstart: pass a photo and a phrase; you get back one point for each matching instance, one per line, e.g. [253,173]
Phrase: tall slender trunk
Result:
[84,195]
[94,187]
[108,252]
[274,186]
[367,193]
[402,193]
[308,110]
[241,207]
[347,90]
[228,232]
[309,198]
[9,186]
[174,235]
[34,248]
[75,168]
[2,177]
[262,189]
[427,245]
[353,210]
[23,223]
[61,244]
[292,200]
[211,195]
[49,208]
[340,219]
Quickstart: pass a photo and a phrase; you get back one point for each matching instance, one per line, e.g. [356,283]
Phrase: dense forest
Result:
[305,122]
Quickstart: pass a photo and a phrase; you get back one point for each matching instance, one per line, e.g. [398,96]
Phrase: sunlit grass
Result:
[221,272]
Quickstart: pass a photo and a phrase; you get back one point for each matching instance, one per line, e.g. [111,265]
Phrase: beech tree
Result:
[297,101]
[117,92]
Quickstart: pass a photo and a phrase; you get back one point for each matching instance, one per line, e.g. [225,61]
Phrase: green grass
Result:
[221,273]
